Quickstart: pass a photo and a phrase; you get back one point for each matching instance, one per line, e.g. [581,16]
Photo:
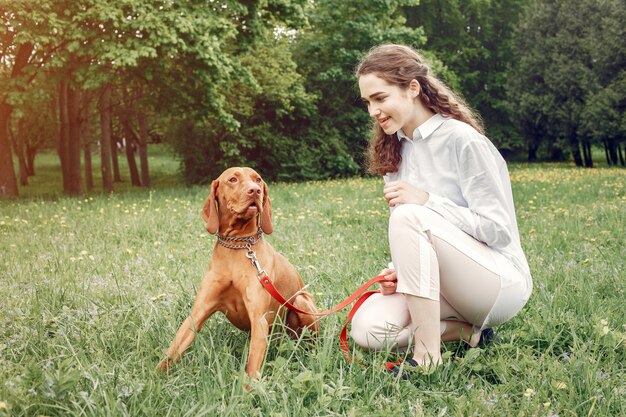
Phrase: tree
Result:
[193,70]
[327,52]
[142,140]
[104,109]
[267,118]
[84,45]
[31,41]
[32,128]
[270,122]
[603,118]
[529,104]
[86,134]
[565,85]
[473,39]
[14,68]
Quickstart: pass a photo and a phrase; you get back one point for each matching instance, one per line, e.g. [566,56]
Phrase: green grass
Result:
[94,288]
[48,182]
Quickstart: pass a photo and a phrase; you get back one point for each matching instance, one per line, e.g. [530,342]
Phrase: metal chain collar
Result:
[234,242]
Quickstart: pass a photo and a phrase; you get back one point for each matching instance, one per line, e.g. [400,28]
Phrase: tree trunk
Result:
[54,111]
[619,150]
[130,153]
[587,154]
[73,109]
[116,164]
[132,164]
[87,138]
[532,152]
[20,150]
[87,157]
[63,141]
[575,146]
[27,151]
[143,148]
[18,147]
[31,152]
[105,139]
[606,152]
[130,138]
[8,180]
[612,147]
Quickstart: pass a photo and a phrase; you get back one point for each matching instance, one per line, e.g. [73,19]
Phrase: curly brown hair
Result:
[398,65]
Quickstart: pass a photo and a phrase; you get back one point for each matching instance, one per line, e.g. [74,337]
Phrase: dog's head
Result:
[237,196]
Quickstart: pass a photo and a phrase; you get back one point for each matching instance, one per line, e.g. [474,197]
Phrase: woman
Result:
[457,264]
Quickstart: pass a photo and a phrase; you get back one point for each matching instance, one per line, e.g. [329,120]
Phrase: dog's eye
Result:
[232,179]
[258,179]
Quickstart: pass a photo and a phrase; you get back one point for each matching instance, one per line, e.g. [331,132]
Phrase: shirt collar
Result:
[425,129]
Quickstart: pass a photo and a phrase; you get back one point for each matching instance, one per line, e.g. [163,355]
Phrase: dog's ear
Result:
[209,211]
[266,212]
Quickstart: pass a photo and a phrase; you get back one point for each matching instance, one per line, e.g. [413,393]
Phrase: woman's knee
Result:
[409,217]
[364,331]
[379,321]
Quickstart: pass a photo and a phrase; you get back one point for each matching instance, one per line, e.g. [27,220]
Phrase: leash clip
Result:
[250,254]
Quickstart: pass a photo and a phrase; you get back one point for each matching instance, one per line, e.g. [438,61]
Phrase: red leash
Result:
[360,295]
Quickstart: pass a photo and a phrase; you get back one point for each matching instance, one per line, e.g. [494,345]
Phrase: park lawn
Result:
[94,288]
[48,182]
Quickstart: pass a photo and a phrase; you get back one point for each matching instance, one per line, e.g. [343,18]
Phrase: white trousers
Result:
[436,260]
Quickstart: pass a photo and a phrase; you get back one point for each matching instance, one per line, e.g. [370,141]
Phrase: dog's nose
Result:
[254,189]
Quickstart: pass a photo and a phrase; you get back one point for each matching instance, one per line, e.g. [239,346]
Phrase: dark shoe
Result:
[487,336]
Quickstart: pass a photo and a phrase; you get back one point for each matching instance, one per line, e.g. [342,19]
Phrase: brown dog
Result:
[237,206]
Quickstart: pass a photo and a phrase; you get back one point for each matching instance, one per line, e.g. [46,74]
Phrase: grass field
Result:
[94,288]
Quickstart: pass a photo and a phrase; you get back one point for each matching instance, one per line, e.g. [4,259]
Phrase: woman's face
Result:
[393,107]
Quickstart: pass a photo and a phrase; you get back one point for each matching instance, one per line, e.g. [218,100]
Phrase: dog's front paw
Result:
[164,365]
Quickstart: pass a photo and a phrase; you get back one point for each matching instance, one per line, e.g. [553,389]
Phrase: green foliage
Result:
[328,50]
[565,84]
[604,113]
[35,128]
[282,121]
[95,288]
[270,83]
[272,115]
[473,39]
[307,119]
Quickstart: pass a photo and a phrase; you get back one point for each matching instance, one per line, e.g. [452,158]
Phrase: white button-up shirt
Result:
[467,181]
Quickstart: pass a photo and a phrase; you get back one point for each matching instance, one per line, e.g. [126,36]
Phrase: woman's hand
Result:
[400,192]
[388,287]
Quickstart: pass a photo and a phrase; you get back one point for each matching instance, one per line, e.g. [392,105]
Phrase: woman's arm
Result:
[487,216]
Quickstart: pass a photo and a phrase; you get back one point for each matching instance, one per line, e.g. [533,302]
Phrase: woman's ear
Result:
[209,211]
[414,88]
[266,212]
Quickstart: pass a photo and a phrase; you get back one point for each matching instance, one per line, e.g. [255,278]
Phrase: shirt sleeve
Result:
[486,217]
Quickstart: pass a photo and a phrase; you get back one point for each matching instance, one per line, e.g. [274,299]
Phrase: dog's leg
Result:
[258,306]
[297,321]
[258,343]
[204,306]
